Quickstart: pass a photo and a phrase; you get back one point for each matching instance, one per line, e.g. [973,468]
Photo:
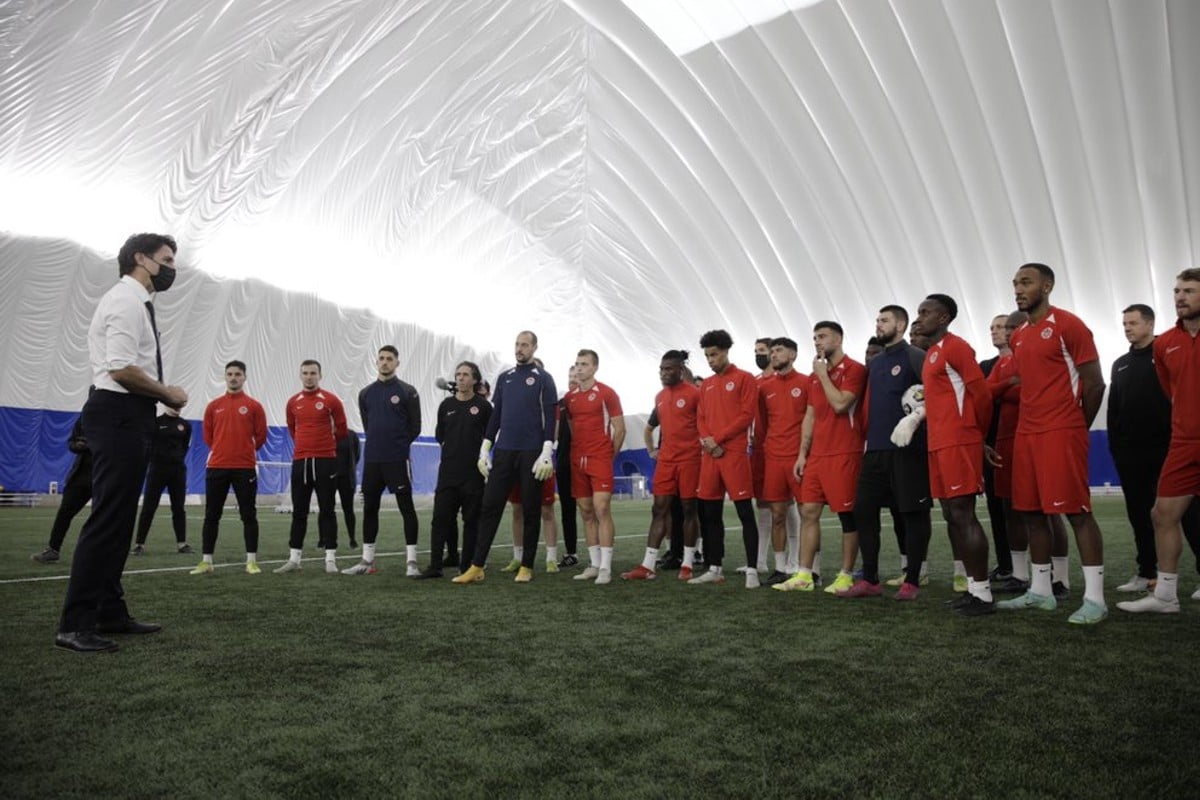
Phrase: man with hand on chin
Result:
[118,420]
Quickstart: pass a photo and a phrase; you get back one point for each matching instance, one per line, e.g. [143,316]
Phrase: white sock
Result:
[793,536]
[1020,560]
[207,558]
[717,570]
[551,553]
[606,558]
[410,552]
[650,557]
[780,561]
[689,556]
[1061,572]
[1167,588]
[295,554]
[594,555]
[251,558]
[1041,580]
[924,568]
[903,562]
[960,571]
[518,553]
[816,567]
[981,589]
[330,556]
[764,536]
[368,552]
[1093,584]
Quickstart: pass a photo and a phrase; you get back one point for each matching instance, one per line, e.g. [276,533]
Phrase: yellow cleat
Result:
[252,568]
[841,583]
[524,575]
[473,574]
[203,568]
[802,581]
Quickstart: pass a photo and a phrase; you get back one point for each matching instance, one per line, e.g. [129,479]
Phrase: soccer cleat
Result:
[960,583]
[588,574]
[252,568]
[840,584]
[568,561]
[669,562]
[184,548]
[907,593]
[551,567]
[1089,613]
[1135,584]
[752,579]
[429,573]
[137,550]
[800,582]
[603,576]
[1149,603]
[862,589]
[896,581]
[1196,595]
[1061,590]
[685,574]
[47,556]
[412,570]
[473,574]
[639,573]
[775,577]
[712,576]
[203,568]
[1009,584]
[289,566]
[524,575]
[512,566]
[331,568]
[976,607]
[361,568]
[1041,602]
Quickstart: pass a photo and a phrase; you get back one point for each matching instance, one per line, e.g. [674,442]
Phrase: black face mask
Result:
[165,277]
[761,361]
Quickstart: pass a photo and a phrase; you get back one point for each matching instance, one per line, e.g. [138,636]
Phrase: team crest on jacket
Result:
[320,406]
[179,427]
[474,410]
[530,381]
[1047,333]
[680,403]
[933,357]
[729,386]
[795,391]
[395,399]
[591,395]
[895,370]
[243,410]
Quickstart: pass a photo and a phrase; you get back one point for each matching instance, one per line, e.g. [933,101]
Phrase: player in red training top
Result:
[1177,362]
[235,427]
[597,432]
[677,471]
[316,419]
[1061,390]
[728,403]
[958,413]
[830,456]
[782,403]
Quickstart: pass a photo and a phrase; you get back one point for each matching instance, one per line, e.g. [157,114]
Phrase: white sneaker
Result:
[603,576]
[712,576]
[752,579]
[1149,603]
[361,568]
[412,570]
[1135,584]
[1196,595]
[331,568]
[589,574]
[289,566]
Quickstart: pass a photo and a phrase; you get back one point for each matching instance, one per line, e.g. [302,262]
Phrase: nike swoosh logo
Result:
[1060,503]
[1173,349]
[1122,369]
[956,486]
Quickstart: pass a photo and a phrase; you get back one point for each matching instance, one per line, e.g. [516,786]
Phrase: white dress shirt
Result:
[121,334]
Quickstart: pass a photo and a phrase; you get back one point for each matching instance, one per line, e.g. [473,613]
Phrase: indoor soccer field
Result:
[381,686]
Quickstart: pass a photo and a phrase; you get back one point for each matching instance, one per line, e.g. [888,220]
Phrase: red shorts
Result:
[1050,472]
[1002,476]
[831,480]
[956,471]
[779,482]
[729,474]
[677,478]
[591,474]
[547,492]
[758,463]
[1180,474]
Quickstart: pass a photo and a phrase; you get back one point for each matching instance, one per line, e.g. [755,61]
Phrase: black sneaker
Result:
[1007,584]
[974,607]
[137,550]
[185,548]
[47,556]
[958,601]
[1061,592]
[669,562]
[427,573]
[569,560]
[775,577]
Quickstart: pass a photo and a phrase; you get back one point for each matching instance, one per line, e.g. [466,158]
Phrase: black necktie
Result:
[157,349]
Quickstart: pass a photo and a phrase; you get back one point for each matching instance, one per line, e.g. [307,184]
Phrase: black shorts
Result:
[897,478]
[396,476]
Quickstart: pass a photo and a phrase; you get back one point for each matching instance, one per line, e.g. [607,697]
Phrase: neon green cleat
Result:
[802,581]
[960,583]
[1089,613]
[896,581]
[513,565]
[524,575]
[203,568]
[551,567]
[1042,602]
[252,568]
[842,582]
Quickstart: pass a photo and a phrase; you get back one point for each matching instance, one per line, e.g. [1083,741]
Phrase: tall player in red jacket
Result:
[235,427]
[958,413]
[316,419]
[728,402]
[1177,362]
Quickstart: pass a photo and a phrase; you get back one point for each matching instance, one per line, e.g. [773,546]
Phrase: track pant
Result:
[217,483]
[173,478]
[510,467]
[77,491]
[308,475]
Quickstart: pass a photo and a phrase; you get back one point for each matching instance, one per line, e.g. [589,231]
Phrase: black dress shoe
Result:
[670,562]
[83,642]
[451,560]
[129,625]
[428,572]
